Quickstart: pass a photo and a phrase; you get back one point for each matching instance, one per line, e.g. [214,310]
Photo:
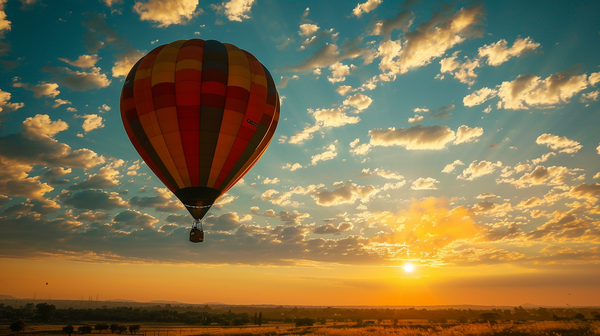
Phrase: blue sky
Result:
[455,136]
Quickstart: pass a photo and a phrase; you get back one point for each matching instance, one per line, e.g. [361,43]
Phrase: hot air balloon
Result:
[200,114]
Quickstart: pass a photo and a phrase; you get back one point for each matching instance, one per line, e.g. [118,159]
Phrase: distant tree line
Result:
[240,315]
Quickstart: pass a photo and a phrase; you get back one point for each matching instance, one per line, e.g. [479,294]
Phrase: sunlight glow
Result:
[409,268]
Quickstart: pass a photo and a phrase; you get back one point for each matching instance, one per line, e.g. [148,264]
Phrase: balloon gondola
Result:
[200,114]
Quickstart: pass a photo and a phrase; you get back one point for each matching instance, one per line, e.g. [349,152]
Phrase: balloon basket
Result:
[196,233]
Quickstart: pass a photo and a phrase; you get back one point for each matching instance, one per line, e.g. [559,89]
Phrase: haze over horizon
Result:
[427,154]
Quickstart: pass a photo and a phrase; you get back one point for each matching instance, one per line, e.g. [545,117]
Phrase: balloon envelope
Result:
[200,114]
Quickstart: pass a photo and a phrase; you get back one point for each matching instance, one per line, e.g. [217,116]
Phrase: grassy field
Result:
[548,328]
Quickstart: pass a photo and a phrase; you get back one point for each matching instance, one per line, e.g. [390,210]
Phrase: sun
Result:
[409,267]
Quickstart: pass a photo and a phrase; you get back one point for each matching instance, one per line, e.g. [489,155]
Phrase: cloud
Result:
[284,81]
[39,90]
[463,72]
[555,175]
[330,228]
[92,122]
[235,10]
[414,138]
[4,23]
[107,177]
[109,3]
[359,101]
[562,144]
[498,53]
[290,218]
[479,97]
[324,118]
[224,222]
[166,12]
[93,199]
[433,38]
[386,174]
[54,173]
[359,149]
[416,118]
[270,181]
[348,193]
[79,80]
[6,105]
[427,183]
[292,167]
[162,201]
[283,199]
[329,154]
[60,102]
[528,91]
[84,61]
[365,7]
[487,195]
[400,21]
[329,54]
[308,29]
[589,192]
[35,145]
[476,170]
[15,180]
[132,219]
[125,61]
[451,166]
[590,96]
[338,71]
[440,113]
[466,134]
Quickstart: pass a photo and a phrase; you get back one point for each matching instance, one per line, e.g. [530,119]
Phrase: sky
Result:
[460,138]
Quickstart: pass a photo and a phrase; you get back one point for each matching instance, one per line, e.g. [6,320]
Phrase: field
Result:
[546,328]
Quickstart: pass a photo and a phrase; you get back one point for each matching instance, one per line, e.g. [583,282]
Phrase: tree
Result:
[134,328]
[101,326]
[86,329]
[114,327]
[68,329]
[17,326]
[306,321]
[259,319]
[46,311]
[122,329]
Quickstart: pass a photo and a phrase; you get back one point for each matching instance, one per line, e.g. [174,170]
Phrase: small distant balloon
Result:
[46,284]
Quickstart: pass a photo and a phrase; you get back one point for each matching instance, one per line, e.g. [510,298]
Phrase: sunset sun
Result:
[408,267]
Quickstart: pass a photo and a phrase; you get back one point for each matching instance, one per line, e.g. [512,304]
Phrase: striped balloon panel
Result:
[200,113]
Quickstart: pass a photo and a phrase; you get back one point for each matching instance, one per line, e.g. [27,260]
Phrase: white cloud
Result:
[59,102]
[432,39]
[386,174]
[84,61]
[125,61]
[562,144]
[594,78]
[476,170]
[531,91]
[334,117]
[338,71]
[359,149]
[498,53]
[92,122]
[365,7]
[359,101]
[5,105]
[235,10]
[414,138]
[308,29]
[292,167]
[270,181]
[555,175]
[451,166]
[39,90]
[416,118]
[463,72]
[79,80]
[427,183]
[348,193]
[42,126]
[283,82]
[466,134]
[329,154]
[479,97]
[166,12]
[342,90]
[590,96]
[4,23]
